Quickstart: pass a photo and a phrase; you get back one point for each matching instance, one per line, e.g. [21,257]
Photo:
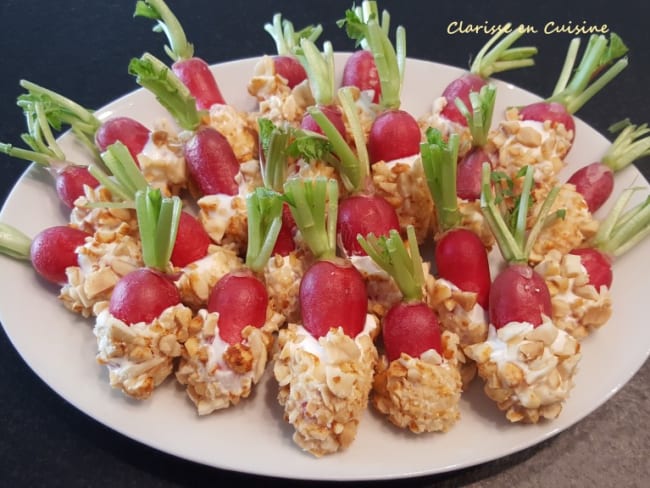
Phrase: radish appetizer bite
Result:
[324,367]
[527,362]
[417,383]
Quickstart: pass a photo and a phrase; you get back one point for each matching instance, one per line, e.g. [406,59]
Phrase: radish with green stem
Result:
[429,400]
[360,69]
[141,329]
[595,182]
[542,133]
[580,281]
[287,40]
[528,364]
[336,335]
[194,72]
[461,290]
[320,72]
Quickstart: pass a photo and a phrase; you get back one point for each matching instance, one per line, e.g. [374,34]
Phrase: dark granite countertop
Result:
[82,48]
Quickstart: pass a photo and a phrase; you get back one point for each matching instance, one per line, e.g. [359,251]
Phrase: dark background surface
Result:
[81,49]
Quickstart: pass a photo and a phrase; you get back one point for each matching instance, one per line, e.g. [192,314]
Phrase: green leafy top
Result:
[574,88]
[179,48]
[363,26]
[155,76]
[479,119]
[509,231]
[45,109]
[440,161]
[502,57]
[264,207]
[314,206]
[628,146]
[287,40]
[404,266]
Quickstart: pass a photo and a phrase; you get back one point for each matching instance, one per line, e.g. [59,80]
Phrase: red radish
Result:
[332,113]
[287,41]
[285,243]
[460,88]
[53,251]
[595,182]
[468,186]
[488,61]
[290,69]
[364,214]
[518,293]
[575,87]
[332,292]
[360,70]
[142,295]
[620,231]
[211,162]
[70,183]
[197,77]
[395,134]
[598,266]
[210,159]
[128,131]
[362,211]
[240,299]
[478,118]
[460,255]
[194,72]
[409,326]
[192,241]
[461,258]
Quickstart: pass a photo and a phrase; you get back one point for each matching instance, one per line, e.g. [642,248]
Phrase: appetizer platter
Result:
[357,334]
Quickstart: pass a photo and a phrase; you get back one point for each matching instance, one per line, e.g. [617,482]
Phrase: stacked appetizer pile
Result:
[221,244]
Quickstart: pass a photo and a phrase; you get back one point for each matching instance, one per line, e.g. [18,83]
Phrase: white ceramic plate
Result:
[252,437]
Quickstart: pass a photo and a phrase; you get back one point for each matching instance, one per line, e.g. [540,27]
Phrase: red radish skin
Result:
[241,300]
[53,250]
[519,294]
[360,70]
[199,80]
[192,241]
[285,244]
[128,131]
[598,266]
[333,295]
[70,182]
[460,88]
[468,174]
[290,69]
[364,214]
[142,295]
[554,112]
[334,115]
[211,162]
[595,182]
[461,258]
[410,328]
[394,134]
